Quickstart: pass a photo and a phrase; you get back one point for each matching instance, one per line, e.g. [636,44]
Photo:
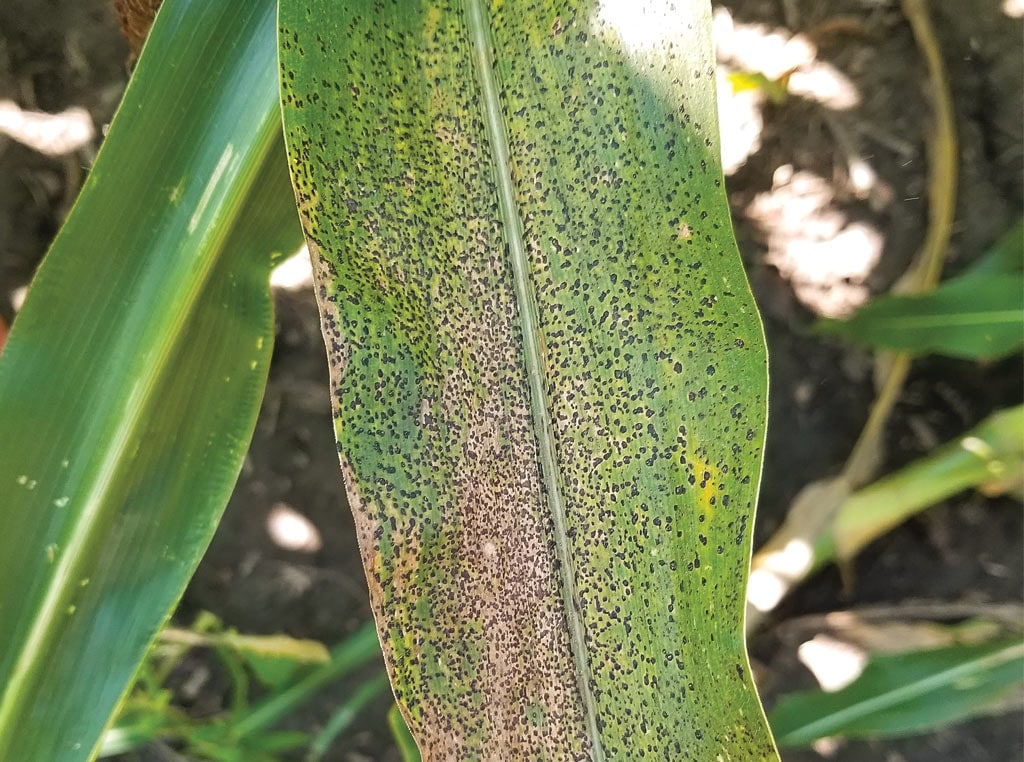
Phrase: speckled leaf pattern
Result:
[549,377]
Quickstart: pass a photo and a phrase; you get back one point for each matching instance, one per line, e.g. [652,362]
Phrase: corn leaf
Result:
[1005,256]
[977,315]
[133,375]
[907,693]
[989,457]
[549,376]
[403,739]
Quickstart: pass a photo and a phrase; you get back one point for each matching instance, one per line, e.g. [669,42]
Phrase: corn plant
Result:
[548,373]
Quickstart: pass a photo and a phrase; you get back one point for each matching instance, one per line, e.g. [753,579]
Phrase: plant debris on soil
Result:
[828,179]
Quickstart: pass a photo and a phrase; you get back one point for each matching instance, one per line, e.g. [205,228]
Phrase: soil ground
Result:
[810,156]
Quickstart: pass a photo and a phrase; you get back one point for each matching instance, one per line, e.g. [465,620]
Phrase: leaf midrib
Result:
[480,37]
[964,319]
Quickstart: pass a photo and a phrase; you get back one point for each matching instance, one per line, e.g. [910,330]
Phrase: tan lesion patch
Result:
[366,528]
[338,352]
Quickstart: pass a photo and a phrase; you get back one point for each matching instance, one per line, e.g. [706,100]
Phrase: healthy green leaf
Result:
[990,457]
[906,694]
[345,715]
[283,647]
[403,738]
[133,375]
[978,315]
[272,672]
[972,317]
[1005,256]
[353,652]
[549,376]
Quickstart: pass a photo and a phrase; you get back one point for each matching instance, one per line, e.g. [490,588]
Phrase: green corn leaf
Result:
[404,741]
[972,317]
[282,647]
[1005,256]
[131,381]
[549,376]
[907,693]
[989,457]
[978,315]
[346,714]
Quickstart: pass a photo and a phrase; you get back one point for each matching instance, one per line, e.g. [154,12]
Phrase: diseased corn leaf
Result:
[131,382]
[549,377]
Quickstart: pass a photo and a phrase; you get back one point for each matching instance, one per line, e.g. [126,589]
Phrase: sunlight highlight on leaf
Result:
[644,27]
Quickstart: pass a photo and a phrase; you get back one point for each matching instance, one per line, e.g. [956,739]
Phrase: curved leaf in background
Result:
[908,693]
[131,381]
[976,315]
[989,457]
[549,376]
[1006,255]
